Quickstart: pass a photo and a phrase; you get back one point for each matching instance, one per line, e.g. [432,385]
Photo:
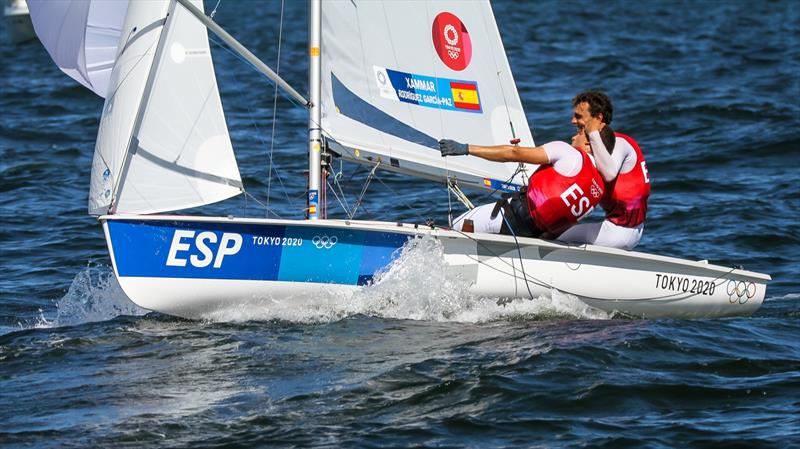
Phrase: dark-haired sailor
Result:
[621,163]
[564,189]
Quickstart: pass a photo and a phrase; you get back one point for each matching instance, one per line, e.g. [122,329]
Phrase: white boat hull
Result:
[196,266]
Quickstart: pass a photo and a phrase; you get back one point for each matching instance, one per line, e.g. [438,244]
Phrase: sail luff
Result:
[133,141]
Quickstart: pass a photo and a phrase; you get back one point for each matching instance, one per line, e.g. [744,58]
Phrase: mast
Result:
[314,135]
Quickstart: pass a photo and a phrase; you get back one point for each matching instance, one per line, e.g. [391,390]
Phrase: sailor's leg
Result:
[581,233]
[481,217]
[619,236]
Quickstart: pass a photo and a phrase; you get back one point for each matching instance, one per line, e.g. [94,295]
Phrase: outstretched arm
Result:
[510,153]
[496,153]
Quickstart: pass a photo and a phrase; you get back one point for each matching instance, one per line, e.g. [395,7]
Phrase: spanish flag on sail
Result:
[465,96]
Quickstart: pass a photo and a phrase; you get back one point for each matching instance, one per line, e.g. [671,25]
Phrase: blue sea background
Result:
[711,90]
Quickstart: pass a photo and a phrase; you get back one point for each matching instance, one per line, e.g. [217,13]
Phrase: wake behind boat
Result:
[385,82]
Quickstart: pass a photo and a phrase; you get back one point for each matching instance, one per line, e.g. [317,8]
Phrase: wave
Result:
[416,286]
[93,296]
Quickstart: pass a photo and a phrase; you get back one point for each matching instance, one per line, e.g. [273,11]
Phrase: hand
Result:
[592,124]
[452,148]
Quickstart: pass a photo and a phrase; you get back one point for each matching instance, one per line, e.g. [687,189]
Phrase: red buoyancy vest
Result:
[625,199]
[557,202]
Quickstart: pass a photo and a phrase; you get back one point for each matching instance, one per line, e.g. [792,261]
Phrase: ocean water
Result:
[709,89]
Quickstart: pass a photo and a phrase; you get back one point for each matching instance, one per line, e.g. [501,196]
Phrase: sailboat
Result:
[386,81]
[18,21]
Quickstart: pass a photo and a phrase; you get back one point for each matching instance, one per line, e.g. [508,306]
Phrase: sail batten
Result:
[396,79]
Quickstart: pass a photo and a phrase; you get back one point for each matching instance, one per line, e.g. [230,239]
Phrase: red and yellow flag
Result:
[465,96]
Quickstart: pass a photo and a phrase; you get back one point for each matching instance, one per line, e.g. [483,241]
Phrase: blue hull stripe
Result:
[262,252]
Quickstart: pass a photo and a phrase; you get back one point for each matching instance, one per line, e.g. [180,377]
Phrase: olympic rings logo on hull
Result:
[740,291]
[324,242]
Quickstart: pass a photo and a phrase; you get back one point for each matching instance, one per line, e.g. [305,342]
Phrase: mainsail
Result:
[81,36]
[398,76]
[163,143]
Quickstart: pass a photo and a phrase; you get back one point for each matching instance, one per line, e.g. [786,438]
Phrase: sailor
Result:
[621,163]
[564,189]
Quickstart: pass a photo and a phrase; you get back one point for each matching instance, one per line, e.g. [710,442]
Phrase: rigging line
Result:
[521,166]
[336,177]
[350,151]
[519,253]
[396,196]
[345,208]
[500,258]
[344,148]
[448,183]
[496,189]
[361,167]
[275,106]
[364,189]
[374,174]
[329,136]
[496,68]
[267,208]
[488,195]
[251,116]
[449,204]
[291,99]
[461,196]
[214,11]
[241,49]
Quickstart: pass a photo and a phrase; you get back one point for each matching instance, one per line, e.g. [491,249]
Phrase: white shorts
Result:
[603,234]
[481,217]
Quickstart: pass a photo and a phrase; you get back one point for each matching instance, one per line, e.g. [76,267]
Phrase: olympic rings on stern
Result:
[740,291]
[324,241]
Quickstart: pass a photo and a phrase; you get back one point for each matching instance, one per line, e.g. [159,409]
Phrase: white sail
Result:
[81,36]
[398,76]
[163,143]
